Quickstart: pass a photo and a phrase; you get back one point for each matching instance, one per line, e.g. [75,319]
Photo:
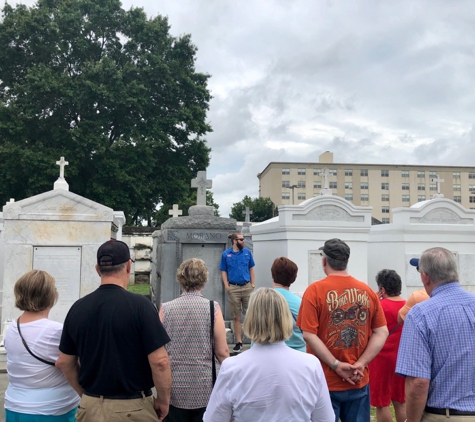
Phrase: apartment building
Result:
[382,186]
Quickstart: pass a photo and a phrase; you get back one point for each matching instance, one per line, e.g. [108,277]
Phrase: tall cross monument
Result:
[61,181]
[201,183]
[247,212]
[439,182]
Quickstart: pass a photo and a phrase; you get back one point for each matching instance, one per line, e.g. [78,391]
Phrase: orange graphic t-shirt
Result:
[342,312]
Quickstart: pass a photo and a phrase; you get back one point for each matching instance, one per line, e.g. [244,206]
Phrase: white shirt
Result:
[270,383]
[35,387]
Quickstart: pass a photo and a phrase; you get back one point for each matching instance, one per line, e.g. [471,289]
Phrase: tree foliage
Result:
[262,209]
[162,215]
[110,90]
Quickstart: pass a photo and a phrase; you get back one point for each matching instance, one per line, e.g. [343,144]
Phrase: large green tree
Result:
[110,90]
[262,209]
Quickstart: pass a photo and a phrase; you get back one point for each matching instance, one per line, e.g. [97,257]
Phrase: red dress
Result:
[384,384]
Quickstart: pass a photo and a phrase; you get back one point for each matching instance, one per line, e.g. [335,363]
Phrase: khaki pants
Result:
[430,417]
[238,297]
[92,409]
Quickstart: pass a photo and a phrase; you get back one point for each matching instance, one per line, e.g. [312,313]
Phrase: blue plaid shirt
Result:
[438,344]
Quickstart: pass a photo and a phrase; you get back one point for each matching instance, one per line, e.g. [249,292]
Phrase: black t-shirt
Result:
[113,331]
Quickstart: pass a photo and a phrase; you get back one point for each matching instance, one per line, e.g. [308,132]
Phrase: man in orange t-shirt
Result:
[345,327]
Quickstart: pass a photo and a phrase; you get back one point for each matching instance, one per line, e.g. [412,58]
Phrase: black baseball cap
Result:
[113,252]
[336,249]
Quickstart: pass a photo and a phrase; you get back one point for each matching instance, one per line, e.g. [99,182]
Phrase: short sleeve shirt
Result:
[342,312]
[113,331]
[237,265]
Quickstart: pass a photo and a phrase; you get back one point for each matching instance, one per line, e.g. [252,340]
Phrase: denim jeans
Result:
[351,405]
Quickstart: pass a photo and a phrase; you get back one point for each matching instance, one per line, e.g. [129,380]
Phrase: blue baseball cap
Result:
[414,262]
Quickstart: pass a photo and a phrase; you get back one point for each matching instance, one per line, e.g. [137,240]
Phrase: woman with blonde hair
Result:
[37,391]
[270,382]
[188,321]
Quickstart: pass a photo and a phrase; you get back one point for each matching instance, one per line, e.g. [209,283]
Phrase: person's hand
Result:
[160,409]
[348,373]
[358,368]
[226,287]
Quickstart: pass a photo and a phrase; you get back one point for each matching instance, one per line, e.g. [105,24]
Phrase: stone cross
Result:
[61,163]
[438,181]
[175,212]
[247,212]
[201,183]
[11,201]
[326,174]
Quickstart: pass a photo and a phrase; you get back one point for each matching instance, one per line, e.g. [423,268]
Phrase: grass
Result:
[141,289]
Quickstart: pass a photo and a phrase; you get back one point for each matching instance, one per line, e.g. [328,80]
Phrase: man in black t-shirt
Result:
[112,347]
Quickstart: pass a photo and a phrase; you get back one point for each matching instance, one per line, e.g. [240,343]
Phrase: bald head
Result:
[439,264]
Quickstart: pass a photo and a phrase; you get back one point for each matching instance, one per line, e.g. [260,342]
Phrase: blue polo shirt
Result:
[237,265]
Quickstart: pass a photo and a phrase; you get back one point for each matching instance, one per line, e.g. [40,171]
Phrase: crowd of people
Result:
[324,357]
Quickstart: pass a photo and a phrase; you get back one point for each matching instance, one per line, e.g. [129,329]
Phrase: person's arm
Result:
[69,366]
[220,408]
[343,369]
[399,319]
[375,344]
[253,276]
[221,349]
[162,380]
[224,275]
[416,398]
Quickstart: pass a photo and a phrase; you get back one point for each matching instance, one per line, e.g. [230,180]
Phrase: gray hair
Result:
[336,264]
[439,264]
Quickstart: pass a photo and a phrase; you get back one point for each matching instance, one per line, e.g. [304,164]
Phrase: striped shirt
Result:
[438,344]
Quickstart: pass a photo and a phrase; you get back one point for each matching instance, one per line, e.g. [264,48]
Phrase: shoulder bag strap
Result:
[394,329]
[28,349]
[213,362]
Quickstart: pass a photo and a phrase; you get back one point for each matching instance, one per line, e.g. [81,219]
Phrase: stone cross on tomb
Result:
[61,163]
[11,201]
[201,183]
[438,181]
[325,174]
[247,212]
[175,212]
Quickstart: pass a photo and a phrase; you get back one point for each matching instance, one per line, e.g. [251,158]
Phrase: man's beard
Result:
[240,245]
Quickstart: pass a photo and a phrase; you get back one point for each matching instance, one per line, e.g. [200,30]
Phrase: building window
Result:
[433,174]
[348,185]
[421,186]
[301,172]
[286,183]
[471,188]
[364,197]
[301,196]
[363,172]
[332,172]
[404,173]
[285,195]
[285,171]
[458,199]
[317,185]
[316,172]
[333,185]
[472,199]
[457,188]
[348,172]
[421,198]
[384,173]
[385,220]
[456,175]
[301,184]
[364,185]
[471,175]
[349,196]
[385,210]
[405,186]
[385,186]
[433,186]
[385,197]
[405,198]
[421,174]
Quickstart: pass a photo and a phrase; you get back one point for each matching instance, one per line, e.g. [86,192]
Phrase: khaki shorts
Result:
[239,299]
[97,409]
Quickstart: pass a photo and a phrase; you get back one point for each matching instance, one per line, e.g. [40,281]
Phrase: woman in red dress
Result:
[384,385]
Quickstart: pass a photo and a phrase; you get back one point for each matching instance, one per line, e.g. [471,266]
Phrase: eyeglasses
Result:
[240,239]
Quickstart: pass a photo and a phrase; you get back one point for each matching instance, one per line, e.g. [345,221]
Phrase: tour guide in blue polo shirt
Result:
[237,270]
[437,349]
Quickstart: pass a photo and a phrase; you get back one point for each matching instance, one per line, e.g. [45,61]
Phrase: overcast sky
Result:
[371,81]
